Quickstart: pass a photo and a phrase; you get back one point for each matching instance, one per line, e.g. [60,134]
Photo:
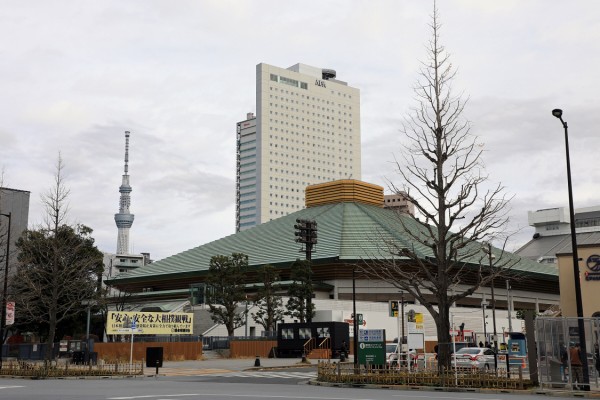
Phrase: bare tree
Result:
[443,176]
[59,265]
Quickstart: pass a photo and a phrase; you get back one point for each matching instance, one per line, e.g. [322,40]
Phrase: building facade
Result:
[353,228]
[399,202]
[15,203]
[306,131]
[589,273]
[553,232]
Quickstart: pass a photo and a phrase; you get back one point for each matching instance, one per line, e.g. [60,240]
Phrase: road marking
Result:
[192,371]
[442,397]
[149,396]
[268,375]
[10,387]
[283,396]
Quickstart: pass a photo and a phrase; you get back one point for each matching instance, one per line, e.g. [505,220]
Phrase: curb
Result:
[543,392]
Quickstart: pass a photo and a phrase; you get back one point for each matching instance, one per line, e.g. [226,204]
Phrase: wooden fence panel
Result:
[251,348]
[172,351]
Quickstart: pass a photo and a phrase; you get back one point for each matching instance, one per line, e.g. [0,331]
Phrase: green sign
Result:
[371,353]
[359,318]
[371,346]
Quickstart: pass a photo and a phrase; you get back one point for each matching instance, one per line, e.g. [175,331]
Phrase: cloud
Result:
[75,75]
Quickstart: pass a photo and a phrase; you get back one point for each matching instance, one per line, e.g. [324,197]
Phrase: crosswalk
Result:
[270,374]
[274,374]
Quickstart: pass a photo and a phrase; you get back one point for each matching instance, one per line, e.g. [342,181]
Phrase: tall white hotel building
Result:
[306,131]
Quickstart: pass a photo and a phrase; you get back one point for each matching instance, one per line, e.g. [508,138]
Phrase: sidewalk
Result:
[239,364]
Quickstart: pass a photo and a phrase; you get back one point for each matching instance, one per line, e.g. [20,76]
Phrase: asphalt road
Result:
[218,388]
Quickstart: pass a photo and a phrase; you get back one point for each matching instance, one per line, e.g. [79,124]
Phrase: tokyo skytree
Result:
[124,219]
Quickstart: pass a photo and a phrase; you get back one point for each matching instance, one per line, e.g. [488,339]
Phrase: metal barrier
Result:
[556,338]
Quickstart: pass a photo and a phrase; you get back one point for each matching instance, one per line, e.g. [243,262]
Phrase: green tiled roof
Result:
[346,231]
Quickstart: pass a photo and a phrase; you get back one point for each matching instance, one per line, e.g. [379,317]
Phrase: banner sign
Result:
[154,323]
[415,324]
[10,313]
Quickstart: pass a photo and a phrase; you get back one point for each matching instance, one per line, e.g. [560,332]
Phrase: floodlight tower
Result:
[124,219]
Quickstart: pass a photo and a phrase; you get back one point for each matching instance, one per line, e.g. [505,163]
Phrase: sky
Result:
[74,75]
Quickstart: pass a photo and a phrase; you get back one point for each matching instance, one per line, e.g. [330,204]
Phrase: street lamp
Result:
[586,377]
[354,319]
[488,250]
[3,314]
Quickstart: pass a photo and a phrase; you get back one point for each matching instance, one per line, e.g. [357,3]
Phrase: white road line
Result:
[283,396]
[442,397]
[269,375]
[10,387]
[149,396]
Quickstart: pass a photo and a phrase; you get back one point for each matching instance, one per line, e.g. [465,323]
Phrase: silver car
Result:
[474,358]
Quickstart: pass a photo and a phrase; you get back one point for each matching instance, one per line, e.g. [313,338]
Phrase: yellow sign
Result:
[419,322]
[153,323]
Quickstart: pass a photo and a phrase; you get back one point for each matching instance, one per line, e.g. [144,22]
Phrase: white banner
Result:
[10,313]
[119,322]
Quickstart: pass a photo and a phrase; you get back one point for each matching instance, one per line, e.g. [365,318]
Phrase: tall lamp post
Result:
[354,320]
[581,327]
[3,314]
[488,250]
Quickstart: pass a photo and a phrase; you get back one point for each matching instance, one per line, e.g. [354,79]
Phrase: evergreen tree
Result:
[300,306]
[226,290]
[268,302]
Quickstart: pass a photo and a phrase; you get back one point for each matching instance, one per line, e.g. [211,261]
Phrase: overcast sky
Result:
[74,75]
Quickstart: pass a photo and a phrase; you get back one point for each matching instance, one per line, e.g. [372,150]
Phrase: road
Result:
[262,385]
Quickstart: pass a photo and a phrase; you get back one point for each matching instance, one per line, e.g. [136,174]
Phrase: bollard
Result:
[303,357]
[257,362]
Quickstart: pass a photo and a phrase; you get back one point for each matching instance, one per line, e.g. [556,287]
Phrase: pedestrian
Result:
[576,366]
[597,357]
[564,360]
[480,343]
[344,350]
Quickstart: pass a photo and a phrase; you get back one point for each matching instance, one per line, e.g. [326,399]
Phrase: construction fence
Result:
[557,339]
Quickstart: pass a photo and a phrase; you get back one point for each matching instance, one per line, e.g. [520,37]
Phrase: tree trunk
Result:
[444,338]
[51,334]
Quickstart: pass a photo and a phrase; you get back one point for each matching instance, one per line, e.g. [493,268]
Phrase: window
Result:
[274,77]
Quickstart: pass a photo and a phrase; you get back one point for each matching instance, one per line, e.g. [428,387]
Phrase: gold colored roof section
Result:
[344,191]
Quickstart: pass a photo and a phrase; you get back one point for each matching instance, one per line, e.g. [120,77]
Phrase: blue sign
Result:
[593,263]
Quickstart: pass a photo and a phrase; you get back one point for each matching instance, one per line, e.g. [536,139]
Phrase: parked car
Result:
[391,355]
[474,358]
